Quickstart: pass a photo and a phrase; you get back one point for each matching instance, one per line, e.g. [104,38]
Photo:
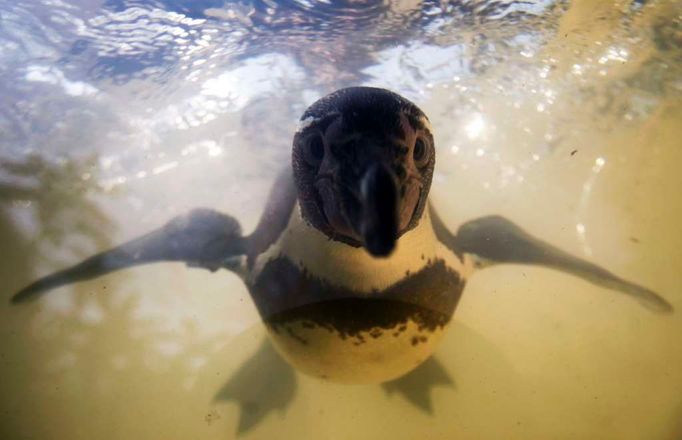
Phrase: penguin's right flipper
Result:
[498,240]
[202,238]
[494,239]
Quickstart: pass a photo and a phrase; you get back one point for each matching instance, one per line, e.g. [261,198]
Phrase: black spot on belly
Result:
[284,293]
[294,335]
[351,316]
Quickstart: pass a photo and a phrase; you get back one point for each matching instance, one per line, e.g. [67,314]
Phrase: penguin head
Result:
[363,161]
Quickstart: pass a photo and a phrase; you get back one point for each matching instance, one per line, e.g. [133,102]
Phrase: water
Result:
[117,115]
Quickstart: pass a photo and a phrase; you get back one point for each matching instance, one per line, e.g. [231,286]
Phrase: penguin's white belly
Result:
[368,356]
[334,311]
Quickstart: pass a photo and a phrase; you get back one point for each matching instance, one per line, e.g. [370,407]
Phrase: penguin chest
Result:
[335,312]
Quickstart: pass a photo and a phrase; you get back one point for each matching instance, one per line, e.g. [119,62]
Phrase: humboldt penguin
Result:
[352,271]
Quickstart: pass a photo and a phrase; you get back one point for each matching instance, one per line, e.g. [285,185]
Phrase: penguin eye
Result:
[314,151]
[420,153]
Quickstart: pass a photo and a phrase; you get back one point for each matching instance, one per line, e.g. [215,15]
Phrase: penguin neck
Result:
[353,267]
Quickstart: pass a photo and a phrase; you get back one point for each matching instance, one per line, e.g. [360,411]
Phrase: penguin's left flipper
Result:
[201,238]
[495,239]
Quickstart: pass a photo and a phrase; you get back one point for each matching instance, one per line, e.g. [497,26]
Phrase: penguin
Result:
[351,269]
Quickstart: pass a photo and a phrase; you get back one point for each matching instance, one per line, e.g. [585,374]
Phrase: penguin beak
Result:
[378,221]
[370,208]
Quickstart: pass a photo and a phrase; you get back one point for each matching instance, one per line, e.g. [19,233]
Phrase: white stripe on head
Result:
[427,124]
[305,123]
